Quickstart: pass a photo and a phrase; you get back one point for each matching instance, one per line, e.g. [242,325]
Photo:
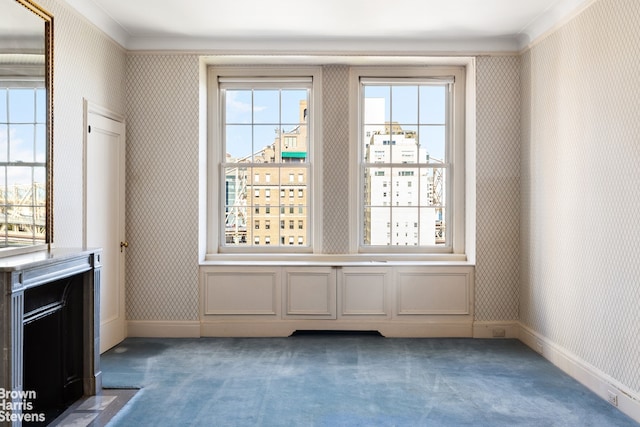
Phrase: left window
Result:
[263,142]
[22,163]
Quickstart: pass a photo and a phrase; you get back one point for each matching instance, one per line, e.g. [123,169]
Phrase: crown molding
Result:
[551,19]
[559,13]
[98,17]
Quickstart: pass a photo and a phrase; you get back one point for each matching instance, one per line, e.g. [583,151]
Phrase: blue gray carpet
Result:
[347,380]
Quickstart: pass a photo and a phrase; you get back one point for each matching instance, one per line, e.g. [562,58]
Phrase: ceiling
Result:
[327,25]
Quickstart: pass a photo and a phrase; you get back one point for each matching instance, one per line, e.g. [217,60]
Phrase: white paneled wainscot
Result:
[396,299]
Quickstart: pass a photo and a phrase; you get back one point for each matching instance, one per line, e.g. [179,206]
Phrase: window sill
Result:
[334,260]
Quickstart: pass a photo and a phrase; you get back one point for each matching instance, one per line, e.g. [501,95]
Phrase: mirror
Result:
[26,127]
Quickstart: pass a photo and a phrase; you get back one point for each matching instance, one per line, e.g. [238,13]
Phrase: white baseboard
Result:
[589,376]
[163,329]
[503,329]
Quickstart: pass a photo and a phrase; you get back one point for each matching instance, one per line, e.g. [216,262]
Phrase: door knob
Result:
[123,245]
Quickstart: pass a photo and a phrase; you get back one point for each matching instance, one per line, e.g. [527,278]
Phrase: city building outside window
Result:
[410,137]
[264,128]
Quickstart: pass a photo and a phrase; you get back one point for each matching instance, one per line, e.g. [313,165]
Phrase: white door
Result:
[104,216]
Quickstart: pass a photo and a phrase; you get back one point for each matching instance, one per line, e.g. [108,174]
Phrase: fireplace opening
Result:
[53,346]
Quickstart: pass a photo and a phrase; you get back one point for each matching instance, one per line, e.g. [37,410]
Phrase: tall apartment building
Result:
[271,202]
[399,202]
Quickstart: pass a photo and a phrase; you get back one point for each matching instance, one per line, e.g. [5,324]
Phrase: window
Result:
[263,136]
[410,128]
[22,162]
[406,162]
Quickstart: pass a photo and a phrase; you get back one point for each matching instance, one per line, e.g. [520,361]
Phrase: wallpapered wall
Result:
[580,251]
[162,187]
[497,187]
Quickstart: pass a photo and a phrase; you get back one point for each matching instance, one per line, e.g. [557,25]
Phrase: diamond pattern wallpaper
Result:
[162,186]
[580,256]
[497,187]
[335,98]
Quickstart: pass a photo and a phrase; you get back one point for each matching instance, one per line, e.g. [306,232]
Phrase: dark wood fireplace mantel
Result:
[23,281]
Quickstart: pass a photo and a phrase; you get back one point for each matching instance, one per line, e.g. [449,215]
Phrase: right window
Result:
[409,147]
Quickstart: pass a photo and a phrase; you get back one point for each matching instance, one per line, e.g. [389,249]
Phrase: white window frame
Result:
[215,157]
[458,220]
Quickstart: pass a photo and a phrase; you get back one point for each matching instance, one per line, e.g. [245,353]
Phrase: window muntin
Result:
[406,144]
[265,133]
[22,163]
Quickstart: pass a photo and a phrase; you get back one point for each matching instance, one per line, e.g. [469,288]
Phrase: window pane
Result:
[403,227]
[432,182]
[238,108]
[376,187]
[428,226]
[21,143]
[20,185]
[405,190]
[22,105]
[433,104]
[405,148]
[377,226]
[264,137]
[295,145]
[236,205]
[266,106]
[433,140]
[294,107]
[239,143]
[377,105]
[404,105]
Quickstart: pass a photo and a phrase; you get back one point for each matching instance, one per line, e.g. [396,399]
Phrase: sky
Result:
[271,111]
[418,108]
[18,106]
